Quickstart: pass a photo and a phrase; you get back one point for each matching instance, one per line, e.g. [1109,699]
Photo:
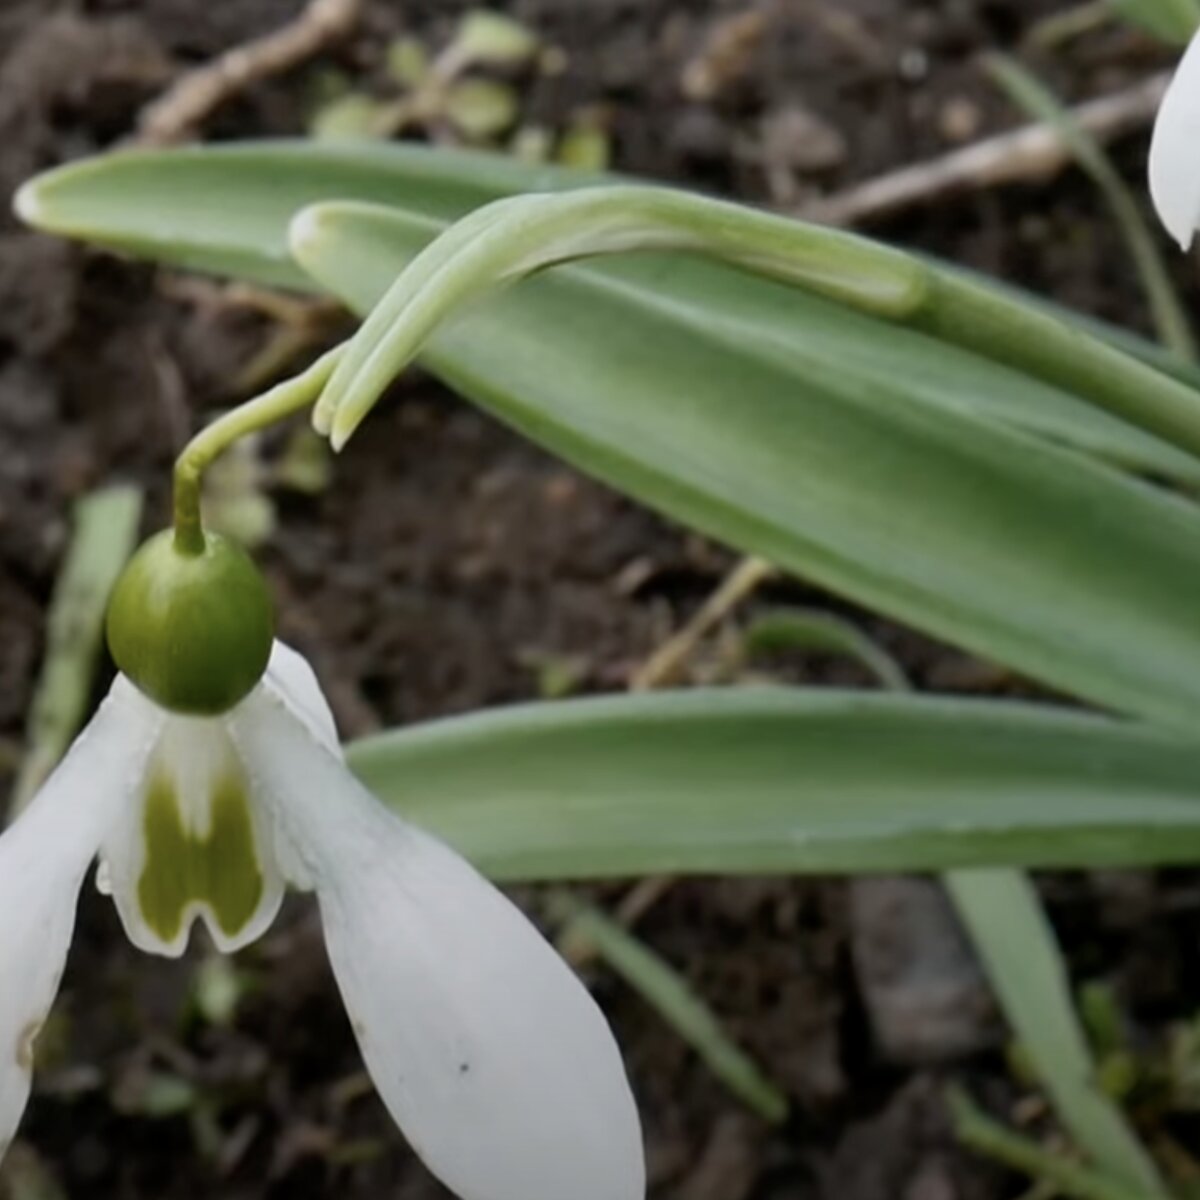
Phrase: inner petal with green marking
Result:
[196,846]
[183,868]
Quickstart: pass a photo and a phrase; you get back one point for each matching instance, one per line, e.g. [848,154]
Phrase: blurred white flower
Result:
[1175,151]
[486,1049]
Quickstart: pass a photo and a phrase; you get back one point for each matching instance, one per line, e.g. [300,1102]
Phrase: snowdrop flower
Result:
[205,790]
[1175,151]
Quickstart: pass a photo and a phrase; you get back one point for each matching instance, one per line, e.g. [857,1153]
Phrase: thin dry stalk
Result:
[1033,152]
[185,105]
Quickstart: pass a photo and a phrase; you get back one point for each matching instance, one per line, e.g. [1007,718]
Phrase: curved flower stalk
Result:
[1175,151]
[504,241]
[486,1049]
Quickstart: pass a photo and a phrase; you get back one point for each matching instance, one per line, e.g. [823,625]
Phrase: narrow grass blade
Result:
[666,991]
[808,629]
[1034,98]
[103,537]
[1055,1171]
[1004,916]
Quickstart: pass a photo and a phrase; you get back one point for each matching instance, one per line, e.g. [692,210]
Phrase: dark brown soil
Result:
[448,562]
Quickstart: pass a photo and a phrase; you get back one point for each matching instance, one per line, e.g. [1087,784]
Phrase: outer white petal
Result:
[489,1053]
[43,857]
[1175,151]
[291,678]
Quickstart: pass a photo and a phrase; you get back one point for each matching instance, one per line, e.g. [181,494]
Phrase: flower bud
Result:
[191,630]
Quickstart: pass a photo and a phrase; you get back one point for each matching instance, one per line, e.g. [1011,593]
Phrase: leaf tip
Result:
[322,419]
[27,205]
[305,231]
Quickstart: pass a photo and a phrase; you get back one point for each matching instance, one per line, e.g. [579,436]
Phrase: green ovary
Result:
[219,869]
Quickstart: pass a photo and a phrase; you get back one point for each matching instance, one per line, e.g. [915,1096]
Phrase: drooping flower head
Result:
[209,780]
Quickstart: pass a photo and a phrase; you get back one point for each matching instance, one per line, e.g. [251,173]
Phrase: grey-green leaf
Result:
[760,781]
[226,209]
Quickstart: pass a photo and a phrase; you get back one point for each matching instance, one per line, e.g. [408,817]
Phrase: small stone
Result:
[796,138]
[959,119]
[730,1161]
[701,135]
[933,1181]
[913,65]
[926,995]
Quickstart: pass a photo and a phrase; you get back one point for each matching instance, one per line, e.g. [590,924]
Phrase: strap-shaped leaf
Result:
[778,780]
[226,209]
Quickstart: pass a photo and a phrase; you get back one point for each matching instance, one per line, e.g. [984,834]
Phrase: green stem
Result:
[281,401]
[985,1135]
[1027,91]
[512,238]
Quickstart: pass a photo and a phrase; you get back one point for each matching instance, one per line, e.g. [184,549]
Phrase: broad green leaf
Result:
[226,208]
[1001,543]
[175,206]
[760,781]
[1004,916]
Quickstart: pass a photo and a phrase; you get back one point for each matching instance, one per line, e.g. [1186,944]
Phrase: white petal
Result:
[295,682]
[1175,151]
[489,1053]
[193,845]
[43,857]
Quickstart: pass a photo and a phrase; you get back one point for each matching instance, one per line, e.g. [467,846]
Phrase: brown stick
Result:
[1032,152]
[665,665]
[195,95]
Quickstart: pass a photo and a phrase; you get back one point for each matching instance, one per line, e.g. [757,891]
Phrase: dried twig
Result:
[195,95]
[1029,153]
[664,666]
